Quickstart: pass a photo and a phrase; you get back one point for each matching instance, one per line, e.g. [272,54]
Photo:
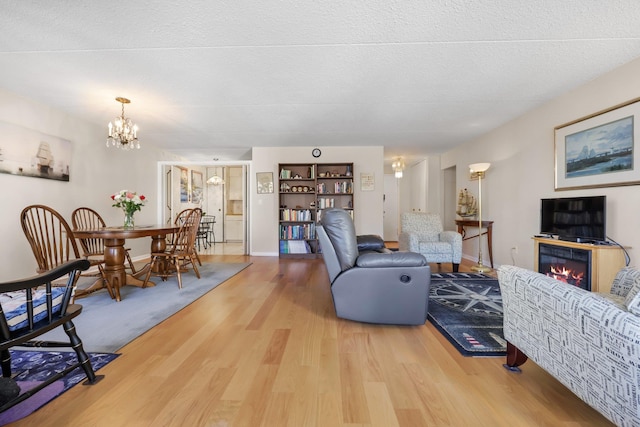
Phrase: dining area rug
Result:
[467,309]
[106,325]
[30,368]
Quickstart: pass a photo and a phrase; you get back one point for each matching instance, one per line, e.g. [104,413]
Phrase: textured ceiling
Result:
[214,78]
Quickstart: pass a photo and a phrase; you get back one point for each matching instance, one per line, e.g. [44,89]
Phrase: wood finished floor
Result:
[266,349]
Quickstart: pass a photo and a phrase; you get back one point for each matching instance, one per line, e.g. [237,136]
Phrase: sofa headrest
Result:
[339,227]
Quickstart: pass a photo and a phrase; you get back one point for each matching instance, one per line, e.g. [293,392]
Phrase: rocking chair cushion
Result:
[14,305]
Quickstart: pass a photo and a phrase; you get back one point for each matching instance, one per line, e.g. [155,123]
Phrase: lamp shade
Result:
[479,167]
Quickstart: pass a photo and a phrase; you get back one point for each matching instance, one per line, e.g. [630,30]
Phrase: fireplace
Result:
[570,265]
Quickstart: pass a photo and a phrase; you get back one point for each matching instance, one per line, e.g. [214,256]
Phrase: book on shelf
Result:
[294,247]
[298,232]
[285,174]
[296,215]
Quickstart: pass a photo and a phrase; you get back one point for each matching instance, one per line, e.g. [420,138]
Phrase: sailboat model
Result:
[45,158]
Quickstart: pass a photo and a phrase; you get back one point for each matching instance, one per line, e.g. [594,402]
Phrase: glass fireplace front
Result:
[569,265]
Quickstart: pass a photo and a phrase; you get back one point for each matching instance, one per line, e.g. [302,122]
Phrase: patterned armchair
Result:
[423,233]
[588,341]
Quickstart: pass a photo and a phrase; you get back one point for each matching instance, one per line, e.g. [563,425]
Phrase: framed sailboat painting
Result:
[27,152]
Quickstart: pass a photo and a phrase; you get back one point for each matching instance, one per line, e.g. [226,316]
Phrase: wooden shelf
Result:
[336,178]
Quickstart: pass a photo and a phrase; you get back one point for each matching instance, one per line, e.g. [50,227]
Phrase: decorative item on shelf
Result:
[349,172]
[123,133]
[467,205]
[129,202]
[398,167]
[478,170]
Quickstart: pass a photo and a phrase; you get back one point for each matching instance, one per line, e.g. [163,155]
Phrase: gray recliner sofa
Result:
[372,286]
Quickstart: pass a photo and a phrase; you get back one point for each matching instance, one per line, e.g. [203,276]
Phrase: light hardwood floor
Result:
[266,349]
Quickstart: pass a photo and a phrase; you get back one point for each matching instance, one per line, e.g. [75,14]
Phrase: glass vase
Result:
[128,220]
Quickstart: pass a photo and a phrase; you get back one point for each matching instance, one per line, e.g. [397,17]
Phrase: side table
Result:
[488,225]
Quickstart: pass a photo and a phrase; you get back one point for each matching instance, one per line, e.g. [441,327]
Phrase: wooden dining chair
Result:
[93,248]
[181,252]
[51,239]
[180,219]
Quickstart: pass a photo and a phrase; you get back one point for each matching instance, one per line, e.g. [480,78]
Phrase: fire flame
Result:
[566,275]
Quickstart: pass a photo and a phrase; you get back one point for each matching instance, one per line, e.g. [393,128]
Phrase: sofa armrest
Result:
[409,242]
[370,242]
[451,237]
[626,280]
[392,259]
[584,340]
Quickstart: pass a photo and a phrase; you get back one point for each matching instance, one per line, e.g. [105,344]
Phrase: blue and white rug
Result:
[467,309]
[31,368]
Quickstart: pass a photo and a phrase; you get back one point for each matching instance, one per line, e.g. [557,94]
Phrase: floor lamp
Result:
[478,169]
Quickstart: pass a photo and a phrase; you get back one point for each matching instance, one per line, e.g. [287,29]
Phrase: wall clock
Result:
[316,152]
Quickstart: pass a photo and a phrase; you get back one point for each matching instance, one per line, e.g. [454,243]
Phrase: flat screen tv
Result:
[578,219]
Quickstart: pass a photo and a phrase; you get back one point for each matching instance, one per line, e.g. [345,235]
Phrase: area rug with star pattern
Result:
[467,309]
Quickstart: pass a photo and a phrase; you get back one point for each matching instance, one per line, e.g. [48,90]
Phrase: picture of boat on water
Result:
[602,149]
[26,152]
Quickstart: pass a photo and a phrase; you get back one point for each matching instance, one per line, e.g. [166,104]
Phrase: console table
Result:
[488,225]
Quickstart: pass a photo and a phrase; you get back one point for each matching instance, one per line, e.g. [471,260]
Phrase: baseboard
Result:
[276,254]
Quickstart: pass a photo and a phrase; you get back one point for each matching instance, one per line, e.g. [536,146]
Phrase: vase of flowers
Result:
[129,202]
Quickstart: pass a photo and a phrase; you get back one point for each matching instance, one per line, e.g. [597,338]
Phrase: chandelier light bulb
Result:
[398,167]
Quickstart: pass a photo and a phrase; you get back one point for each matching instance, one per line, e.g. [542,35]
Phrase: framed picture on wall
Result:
[367,182]
[264,182]
[27,152]
[599,150]
[184,185]
[196,187]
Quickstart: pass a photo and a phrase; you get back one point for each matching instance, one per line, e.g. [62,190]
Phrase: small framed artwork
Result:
[264,181]
[196,187]
[184,185]
[367,182]
[599,150]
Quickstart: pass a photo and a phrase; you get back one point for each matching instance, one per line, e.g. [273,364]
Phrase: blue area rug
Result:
[106,325]
[30,368]
[467,309]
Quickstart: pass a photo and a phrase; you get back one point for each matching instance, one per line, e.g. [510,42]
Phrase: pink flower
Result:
[129,195]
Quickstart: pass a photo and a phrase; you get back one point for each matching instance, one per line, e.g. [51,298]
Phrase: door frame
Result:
[161,190]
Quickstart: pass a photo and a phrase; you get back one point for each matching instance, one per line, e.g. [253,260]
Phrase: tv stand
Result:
[606,260]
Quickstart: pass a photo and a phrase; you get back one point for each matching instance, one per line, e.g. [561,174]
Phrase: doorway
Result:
[391,218]
[220,191]
[450,198]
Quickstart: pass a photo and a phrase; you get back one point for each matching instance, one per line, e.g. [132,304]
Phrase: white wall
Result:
[264,207]
[96,173]
[521,154]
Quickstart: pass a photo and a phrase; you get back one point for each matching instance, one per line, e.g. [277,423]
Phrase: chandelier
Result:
[122,132]
[398,167]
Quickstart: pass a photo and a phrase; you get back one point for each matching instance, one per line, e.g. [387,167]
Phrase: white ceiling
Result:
[214,78]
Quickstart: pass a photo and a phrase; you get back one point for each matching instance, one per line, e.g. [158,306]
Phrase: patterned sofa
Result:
[588,341]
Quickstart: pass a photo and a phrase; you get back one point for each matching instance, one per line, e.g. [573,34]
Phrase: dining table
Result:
[114,251]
